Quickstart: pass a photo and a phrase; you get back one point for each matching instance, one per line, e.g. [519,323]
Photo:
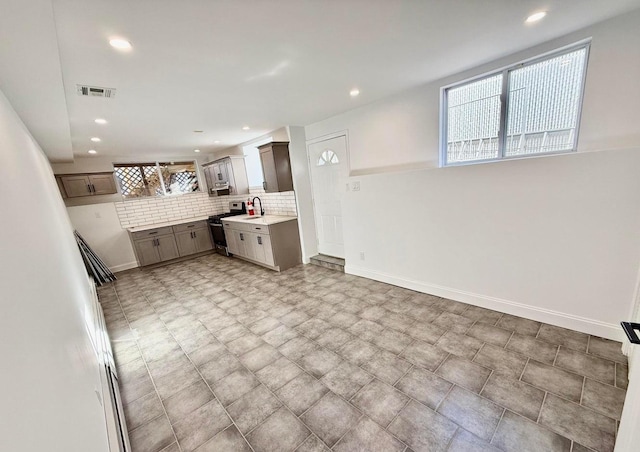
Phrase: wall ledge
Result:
[561,319]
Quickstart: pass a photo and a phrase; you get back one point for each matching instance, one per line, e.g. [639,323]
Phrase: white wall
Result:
[100,226]
[552,238]
[302,187]
[50,371]
[280,134]
[403,131]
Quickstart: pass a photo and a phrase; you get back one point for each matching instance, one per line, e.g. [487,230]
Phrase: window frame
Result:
[158,170]
[504,105]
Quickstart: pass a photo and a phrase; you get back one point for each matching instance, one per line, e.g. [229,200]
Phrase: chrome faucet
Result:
[254,203]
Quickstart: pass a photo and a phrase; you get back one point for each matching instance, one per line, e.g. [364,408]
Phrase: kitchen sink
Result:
[252,218]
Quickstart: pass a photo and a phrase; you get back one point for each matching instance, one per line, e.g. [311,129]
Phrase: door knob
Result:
[630,330]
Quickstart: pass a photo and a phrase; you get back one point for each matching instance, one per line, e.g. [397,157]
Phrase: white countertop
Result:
[146,227]
[265,220]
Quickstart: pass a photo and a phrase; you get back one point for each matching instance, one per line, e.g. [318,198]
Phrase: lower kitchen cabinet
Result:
[170,242]
[191,242]
[156,249]
[275,246]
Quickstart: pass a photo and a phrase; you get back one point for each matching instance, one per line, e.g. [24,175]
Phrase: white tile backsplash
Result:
[144,211]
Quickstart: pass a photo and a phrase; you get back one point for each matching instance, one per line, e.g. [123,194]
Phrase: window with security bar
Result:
[527,109]
[157,178]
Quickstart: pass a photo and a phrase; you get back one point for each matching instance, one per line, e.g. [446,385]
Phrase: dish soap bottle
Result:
[250,210]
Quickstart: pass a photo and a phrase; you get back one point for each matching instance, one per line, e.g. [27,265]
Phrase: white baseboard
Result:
[561,319]
[123,267]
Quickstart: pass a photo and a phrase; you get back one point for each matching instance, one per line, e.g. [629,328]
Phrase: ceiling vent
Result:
[95,91]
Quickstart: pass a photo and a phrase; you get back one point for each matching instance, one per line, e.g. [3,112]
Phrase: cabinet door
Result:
[270,183]
[185,243]
[257,242]
[228,169]
[282,166]
[61,187]
[268,250]
[250,245]
[202,240]
[232,241]
[167,247]
[76,186]
[147,251]
[103,184]
[241,242]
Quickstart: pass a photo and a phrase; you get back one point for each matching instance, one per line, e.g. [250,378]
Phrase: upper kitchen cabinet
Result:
[227,176]
[76,185]
[276,167]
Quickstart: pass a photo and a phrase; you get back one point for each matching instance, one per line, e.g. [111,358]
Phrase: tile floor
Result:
[215,354]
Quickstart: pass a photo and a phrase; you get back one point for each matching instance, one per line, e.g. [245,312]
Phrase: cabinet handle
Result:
[242,237]
[93,188]
[89,187]
[264,185]
[259,240]
[191,226]
[154,232]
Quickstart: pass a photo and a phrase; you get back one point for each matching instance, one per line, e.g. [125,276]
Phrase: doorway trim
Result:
[341,133]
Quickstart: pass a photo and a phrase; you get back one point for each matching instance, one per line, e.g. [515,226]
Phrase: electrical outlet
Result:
[361,255]
[348,186]
[356,186]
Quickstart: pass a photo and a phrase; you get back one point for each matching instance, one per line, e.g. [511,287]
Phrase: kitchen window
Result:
[527,109]
[157,178]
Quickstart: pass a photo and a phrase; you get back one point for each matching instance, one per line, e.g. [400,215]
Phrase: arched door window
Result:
[328,157]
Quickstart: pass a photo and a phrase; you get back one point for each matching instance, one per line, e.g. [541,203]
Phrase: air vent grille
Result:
[95,91]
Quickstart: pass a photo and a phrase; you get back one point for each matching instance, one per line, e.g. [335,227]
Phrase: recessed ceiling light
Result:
[246,128]
[535,17]
[216,142]
[354,92]
[92,151]
[120,44]
[95,139]
[198,131]
[100,121]
[196,150]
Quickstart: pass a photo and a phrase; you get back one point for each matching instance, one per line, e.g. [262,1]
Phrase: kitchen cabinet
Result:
[156,249]
[276,167]
[227,176]
[236,242]
[76,185]
[165,243]
[275,246]
[192,238]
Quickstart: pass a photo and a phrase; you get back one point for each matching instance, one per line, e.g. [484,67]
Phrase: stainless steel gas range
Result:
[217,230]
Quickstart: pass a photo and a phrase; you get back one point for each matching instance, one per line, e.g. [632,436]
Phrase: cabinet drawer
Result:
[201,224]
[260,228]
[236,226]
[152,233]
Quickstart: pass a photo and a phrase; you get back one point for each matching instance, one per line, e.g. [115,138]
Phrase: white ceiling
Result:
[218,65]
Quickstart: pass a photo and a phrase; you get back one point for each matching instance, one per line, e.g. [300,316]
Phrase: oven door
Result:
[217,232]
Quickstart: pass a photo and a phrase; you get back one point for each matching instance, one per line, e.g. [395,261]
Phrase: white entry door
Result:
[329,171]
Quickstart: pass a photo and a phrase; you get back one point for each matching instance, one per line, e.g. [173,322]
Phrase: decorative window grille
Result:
[156,179]
[527,109]
[328,157]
